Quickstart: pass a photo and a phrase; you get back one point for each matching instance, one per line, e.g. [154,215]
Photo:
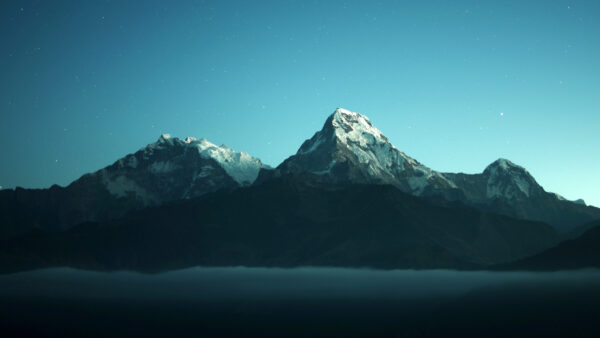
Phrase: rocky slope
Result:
[350,149]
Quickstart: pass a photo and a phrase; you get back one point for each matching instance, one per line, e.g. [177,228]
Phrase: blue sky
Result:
[454,84]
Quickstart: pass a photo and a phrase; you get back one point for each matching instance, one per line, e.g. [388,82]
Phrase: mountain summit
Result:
[349,148]
[172,168]
[239,166]
[506,179]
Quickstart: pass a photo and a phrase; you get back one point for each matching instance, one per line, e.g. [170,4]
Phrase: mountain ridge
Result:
[350,148]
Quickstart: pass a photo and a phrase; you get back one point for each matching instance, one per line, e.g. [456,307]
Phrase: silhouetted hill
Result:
[581,252]
[290,221]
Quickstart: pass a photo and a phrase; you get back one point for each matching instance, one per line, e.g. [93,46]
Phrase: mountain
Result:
[166,170]
[509,189]
[579,253]
[172,169]
[293,220]
[350,149]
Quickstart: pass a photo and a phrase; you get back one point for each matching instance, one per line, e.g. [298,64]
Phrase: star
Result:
[501,114]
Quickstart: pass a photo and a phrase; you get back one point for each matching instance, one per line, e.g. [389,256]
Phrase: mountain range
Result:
[348,197]
[349,148]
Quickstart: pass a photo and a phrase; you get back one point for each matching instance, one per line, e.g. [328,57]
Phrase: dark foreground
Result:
[300,302]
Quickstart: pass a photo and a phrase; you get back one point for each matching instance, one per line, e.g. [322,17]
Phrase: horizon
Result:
[455,86]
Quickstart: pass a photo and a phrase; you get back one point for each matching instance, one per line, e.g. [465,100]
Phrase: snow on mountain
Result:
[239,165]
[509,189]
[350,139]
[242,167]
[506,179]
[173,168]
[350,149]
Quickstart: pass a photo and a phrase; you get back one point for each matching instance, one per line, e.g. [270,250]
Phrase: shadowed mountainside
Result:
[578,253]
[291,221]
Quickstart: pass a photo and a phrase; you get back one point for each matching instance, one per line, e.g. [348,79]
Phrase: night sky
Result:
[454,84]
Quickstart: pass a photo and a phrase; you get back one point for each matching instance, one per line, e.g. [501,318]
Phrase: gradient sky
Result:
[454,84]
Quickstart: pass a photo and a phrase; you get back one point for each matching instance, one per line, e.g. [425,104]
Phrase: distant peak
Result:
[340,110]
[344,126]
[165,139]
[345,121]
[242,167]
[504,164]
[348,116]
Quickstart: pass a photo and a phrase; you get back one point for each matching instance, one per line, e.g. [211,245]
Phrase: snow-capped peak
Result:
[345,113]
[356,132]
[505,165]
[351,138]
[354,127]
[242,167]
[506,179]
[165,139]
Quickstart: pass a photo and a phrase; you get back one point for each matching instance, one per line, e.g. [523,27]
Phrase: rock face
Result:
[578,253]
[172,169]
[350,149]
[169,169]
